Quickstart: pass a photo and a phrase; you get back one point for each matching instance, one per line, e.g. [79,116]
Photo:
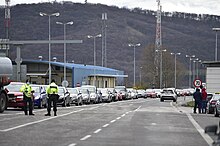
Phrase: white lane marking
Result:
[118,118]
[97,131]
[123,115]
[106,125]
[73,144]
[154,124]
[104,104]
[126,112]
[39,121]
[86,137]
[112,121]
[137,108]
[205,136]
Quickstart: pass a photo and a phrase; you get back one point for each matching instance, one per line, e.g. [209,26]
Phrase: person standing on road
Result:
[27,97]
[198,98]
[52,96]
[204,100]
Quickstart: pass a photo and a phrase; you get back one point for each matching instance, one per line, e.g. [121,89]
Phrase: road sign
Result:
[65,83]
[197,82]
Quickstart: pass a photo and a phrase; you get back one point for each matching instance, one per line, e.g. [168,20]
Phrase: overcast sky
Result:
[189,6]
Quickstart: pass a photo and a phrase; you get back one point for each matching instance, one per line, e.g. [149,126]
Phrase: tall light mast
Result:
[7,23]
[158,44]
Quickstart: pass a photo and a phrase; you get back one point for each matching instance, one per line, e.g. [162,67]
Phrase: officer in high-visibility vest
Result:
[52,93]
[27,97]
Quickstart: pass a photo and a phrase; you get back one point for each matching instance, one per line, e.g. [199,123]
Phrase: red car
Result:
[151,93]
[15,96]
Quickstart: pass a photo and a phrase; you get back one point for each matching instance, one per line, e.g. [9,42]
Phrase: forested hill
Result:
[181,32]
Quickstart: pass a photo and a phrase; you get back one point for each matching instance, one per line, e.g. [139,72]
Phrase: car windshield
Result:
[36,89]
[13,87]
[60,90]
[216,97]
[84,90]
[91,89]
[73,91]
[168,91]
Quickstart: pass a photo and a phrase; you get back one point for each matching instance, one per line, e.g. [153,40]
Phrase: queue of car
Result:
[86,94]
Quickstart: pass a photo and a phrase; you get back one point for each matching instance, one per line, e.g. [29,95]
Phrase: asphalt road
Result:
[141,122]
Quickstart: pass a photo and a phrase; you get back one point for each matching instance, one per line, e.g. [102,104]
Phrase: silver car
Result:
[75,96]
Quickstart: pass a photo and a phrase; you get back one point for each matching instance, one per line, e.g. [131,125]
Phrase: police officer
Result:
[52,92]
[27,97]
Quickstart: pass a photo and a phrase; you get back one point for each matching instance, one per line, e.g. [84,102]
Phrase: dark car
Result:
[40,96]
[64,97]
[211,103]
[75,96]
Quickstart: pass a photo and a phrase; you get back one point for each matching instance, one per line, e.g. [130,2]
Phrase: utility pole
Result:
[104,34]
[7,23]
[158,45]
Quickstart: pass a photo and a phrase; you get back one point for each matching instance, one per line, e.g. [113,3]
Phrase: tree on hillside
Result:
[151,77]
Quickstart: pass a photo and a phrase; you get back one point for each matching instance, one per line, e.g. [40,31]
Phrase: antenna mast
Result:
[158,42]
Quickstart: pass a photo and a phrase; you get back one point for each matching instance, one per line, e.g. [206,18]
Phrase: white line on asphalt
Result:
[97,131]
[205,136]
[39,121]
[92,108]
[137,108]
[106,125]
[86,137]
[123,115]
[126,112]
[112,121]
[73,144]
[104,104]
[118,118]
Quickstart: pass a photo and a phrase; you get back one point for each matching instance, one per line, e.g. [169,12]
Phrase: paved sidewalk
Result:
[181,104]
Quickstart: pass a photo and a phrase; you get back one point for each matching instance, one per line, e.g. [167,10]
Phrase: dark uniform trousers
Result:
[52,98]
[30,102]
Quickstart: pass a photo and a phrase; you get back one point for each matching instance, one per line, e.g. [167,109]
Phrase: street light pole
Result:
[64,37]
[134,45]
[194,67]
[161,66]
[175,65]
[216,42]
[190,66]
[140,75]
[49,60]
[94,39]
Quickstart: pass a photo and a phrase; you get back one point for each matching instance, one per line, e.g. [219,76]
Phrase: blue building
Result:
[76,74]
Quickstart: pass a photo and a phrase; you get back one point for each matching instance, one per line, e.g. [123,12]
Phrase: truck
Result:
[5,74]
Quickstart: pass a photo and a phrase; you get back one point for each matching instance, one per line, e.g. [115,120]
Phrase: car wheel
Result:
[161,100]
[216,113]
[174,100]
[64,103]
[3,102]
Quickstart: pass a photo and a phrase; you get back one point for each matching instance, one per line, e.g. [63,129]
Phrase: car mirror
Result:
[32,91]
[211,129]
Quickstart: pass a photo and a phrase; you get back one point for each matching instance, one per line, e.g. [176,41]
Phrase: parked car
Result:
[211,103]
[40,96]
[132,93]
[217,108]
[94,97]
[158,92]
[85,95]
[151,93]
[64,97]
[168,94]
[122,91]
[141,93]
[105,95]
[75,96]
[113,94]
[15,96]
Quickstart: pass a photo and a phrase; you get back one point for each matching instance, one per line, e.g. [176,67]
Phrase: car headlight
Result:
[36,97]
[19,97]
